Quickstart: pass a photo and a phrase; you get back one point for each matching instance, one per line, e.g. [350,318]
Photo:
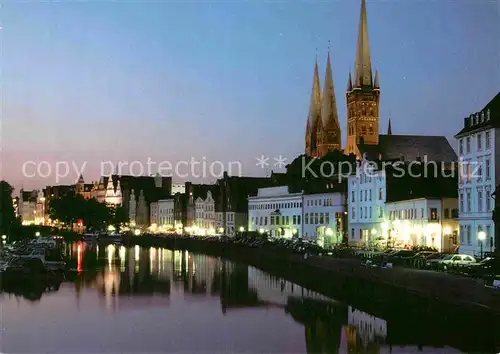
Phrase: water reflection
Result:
[126,279]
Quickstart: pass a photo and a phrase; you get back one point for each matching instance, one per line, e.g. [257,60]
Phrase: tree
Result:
[70,208]
[120,217]
[8,220]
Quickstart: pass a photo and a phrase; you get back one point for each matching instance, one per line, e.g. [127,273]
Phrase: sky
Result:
[228,81]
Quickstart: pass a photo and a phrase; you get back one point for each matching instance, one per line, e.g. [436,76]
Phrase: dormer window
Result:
[488,114]
[482,117]
[471,121]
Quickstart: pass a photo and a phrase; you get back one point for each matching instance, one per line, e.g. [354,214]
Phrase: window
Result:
[327,218]
[488,201]
[361,213]
[469,202]
[353,196]
[298,219]
[306,218]
[370,215]
[468,145]
[480,170]
[321,220]
[370,195]
[461,146]
[446,213]
[433,212]
[294,220]
[366,194]
[380,194]
[480,201]
[353,214]
[487,138]
[461,205]
[469,235]
[487,168]
[462,235]
[380,212]
[479,141]
[352,233]
[360,234]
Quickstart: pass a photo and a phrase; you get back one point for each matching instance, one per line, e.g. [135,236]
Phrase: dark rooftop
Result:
[410,148]
[479,120]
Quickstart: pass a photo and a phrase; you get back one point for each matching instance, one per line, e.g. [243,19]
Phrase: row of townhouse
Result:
[318,216]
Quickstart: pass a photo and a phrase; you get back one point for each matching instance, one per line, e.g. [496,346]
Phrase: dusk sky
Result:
[121,80]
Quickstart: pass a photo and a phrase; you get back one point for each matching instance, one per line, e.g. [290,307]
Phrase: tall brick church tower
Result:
[363,94]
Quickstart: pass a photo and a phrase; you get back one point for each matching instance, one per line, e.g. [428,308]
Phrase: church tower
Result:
[314,115]
[363,94]
[329,134]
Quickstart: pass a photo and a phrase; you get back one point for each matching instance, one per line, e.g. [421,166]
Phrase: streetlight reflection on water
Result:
[111,255]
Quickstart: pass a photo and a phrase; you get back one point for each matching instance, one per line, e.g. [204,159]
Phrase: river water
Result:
[154,300]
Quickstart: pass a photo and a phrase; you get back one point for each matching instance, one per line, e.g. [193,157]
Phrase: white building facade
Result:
[162,215]
[28,206]
[204,215]
[366,194]
[477,147]
[323,215]
[276,212]
[422,222]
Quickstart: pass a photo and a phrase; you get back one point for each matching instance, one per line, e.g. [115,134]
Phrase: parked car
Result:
[398,257]
[418,260]
[487,267]
[453,261]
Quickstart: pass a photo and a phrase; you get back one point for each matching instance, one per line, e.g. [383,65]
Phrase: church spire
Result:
[363,73]
[314,112]
[389,129]
[329,112]
[349,83]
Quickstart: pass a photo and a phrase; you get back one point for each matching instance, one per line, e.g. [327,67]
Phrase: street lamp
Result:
[37,234]
[481,235]
[242,229]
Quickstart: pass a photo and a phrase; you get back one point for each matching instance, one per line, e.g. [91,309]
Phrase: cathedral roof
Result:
[410,148]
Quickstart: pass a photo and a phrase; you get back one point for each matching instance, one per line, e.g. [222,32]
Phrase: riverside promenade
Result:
[334,276]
